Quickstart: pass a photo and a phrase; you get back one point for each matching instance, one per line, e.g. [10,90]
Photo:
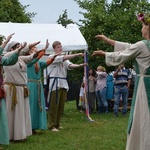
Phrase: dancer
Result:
[58,84]
[4,134]
[36,96]
[139,121]
[17,101]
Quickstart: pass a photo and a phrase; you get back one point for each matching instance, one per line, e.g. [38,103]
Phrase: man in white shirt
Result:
[58,85]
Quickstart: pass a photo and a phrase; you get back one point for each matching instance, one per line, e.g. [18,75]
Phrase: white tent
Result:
[70,37]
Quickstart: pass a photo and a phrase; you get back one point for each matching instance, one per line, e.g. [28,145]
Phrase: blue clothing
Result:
[122,91]
[36,95]
[110,87]
[102,101]
[122,78]
[4,133]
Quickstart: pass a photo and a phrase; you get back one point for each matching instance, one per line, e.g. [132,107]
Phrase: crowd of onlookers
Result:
[106,90]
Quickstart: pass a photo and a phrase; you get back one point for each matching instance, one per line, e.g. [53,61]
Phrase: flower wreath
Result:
[145,18]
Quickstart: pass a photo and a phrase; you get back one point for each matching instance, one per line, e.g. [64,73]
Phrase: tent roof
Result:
[70,37]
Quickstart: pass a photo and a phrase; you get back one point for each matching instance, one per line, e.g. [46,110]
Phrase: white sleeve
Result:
[27,59]
[67,63]
[58,59]
[120,57]
[120,46]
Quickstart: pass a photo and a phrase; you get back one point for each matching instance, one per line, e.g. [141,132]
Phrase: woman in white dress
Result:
[138,137]
[17,101]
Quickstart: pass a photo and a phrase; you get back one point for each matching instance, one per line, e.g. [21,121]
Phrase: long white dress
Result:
[138,136]
[19,121]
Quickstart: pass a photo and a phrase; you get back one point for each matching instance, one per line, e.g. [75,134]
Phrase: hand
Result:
[84,64]
[80,54]
[101,37]
[98,53]
[37,53]
[22,46]
[33,44]
[56,55]
[120,67]
[47,45]
[9,37]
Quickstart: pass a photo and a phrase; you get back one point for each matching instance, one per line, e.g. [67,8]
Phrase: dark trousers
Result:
[56,107]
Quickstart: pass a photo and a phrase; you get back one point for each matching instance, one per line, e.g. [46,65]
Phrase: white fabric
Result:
[70,37]
[139,137]
[11,44]
[19,121]
[58,69]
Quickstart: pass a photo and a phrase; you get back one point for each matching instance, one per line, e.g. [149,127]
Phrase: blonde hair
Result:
[104,69]
[101,68]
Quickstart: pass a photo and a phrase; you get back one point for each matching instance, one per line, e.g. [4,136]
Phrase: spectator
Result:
[91,90]
[110,87]
[122,83]
[81,97]
[101,89]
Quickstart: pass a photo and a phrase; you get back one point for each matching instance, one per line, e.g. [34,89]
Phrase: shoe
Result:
[54,130]
[123,115]
[20,141]
[34,132]
[115,115]
[60,127]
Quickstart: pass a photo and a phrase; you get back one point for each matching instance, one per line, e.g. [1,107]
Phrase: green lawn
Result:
[106,133]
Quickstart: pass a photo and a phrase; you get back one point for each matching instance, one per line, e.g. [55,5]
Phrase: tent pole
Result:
[86,85]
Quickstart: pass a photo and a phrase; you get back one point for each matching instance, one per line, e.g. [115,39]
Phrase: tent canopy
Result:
[70,37]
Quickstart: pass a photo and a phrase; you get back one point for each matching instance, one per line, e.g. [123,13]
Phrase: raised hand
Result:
[84,64]
[7,40]
[9,37]
[101,37]
[47,45]
[33,44]
[80,54]
[98,53]
[37,53]
[22,46]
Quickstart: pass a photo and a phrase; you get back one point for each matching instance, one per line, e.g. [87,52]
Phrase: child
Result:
[81,98]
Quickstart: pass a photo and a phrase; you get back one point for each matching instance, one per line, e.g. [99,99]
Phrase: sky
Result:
[48,11]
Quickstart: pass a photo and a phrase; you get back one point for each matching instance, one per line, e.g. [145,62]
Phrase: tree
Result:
[116,20]
[13,11]
[74,74]
[63,19]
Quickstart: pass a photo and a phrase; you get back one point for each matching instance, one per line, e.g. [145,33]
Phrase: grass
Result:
[106,133]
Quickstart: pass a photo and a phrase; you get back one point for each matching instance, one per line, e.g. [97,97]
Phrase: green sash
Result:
[147,87]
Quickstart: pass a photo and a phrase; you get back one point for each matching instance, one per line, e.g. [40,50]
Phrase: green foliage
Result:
[106,133]
[117,20]
[13,11]
[63,19]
